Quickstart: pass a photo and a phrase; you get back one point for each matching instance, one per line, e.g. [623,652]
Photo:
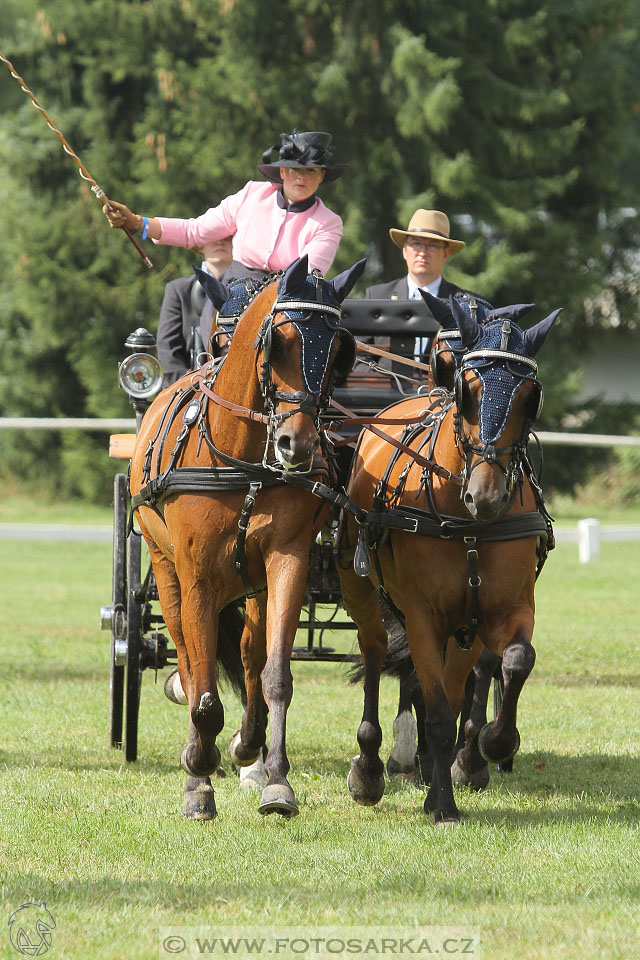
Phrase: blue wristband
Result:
[145,230]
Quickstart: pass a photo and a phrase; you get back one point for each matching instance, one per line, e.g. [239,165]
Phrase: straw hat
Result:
[427,223]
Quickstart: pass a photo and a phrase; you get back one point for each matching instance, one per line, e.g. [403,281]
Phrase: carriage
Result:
[138,639]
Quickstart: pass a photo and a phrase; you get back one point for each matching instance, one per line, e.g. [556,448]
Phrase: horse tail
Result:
[397,663]
[229,659]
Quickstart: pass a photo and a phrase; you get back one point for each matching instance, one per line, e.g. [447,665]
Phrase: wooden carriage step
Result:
[121,445]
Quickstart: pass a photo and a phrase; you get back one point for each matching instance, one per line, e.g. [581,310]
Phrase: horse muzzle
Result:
[296,452]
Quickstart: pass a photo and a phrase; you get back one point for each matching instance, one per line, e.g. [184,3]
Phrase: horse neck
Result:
[447,455]
[238,382]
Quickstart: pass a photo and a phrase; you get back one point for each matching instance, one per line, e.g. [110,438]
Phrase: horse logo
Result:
[30,931]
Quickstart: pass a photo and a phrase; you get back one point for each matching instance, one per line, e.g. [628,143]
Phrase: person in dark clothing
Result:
[182,308]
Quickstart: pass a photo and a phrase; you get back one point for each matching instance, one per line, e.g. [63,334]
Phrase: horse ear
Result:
[440,309]
[294,276]
[534,337]
[470,329]
[216,291]
[343,284]
[514,312]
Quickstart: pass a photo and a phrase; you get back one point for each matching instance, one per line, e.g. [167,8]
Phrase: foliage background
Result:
[520,119]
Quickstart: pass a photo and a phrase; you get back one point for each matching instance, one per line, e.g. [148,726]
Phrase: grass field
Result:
[546,863]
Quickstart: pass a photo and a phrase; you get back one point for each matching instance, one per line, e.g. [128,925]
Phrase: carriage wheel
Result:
[134,646]
[119,601]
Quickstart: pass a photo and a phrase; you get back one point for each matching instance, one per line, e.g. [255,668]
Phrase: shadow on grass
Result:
[59,673]
[593,774]
[593,680]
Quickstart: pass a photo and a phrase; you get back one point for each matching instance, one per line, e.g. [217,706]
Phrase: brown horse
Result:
[471,574]
[221,480]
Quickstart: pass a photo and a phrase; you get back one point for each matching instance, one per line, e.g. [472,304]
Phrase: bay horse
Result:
[404,761]
[452,521]
[223,481]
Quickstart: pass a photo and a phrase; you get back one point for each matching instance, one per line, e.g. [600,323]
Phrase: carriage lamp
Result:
[140,374]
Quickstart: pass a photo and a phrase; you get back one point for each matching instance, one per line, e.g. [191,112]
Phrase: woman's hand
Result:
[120,216]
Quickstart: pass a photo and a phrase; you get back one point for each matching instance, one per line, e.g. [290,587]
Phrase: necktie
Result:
[421,342]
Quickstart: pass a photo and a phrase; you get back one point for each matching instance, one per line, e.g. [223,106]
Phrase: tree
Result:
[512,116]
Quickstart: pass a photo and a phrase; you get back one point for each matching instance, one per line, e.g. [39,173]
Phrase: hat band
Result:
[422,230]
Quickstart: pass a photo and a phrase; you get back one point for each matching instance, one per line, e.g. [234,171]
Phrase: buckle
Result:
[415,522]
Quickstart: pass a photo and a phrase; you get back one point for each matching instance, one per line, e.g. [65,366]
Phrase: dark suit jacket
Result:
[177,317]
[399,290]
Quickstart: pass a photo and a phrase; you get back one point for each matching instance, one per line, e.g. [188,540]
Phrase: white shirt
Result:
[422,343]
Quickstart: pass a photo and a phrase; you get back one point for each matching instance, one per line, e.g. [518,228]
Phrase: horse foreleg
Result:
[198,801]
[469,767]
[499,741]
[440,723]
[286,580]
[199,614]
[402,758]
[246,744]
[366,774]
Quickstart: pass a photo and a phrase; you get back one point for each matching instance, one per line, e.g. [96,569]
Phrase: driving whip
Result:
[84,173]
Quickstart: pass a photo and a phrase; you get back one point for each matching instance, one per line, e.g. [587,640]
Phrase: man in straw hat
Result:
[426,246]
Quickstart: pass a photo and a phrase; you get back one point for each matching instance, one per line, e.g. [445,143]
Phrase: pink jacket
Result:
[266,236]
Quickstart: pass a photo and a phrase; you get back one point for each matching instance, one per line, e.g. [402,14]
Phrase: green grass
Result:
[546,862]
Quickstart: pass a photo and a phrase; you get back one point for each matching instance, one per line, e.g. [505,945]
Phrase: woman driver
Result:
[272,223]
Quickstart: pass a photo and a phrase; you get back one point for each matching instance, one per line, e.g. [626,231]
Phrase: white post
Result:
[588,540]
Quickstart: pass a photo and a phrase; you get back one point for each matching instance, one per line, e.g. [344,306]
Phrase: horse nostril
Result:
[284,443]
[468,498]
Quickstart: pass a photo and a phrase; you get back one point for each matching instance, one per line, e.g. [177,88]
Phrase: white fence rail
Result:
[91,423]
[588,533]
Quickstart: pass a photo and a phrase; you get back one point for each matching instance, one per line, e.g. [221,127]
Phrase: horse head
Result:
[447,350]
[303,345]
[497,397]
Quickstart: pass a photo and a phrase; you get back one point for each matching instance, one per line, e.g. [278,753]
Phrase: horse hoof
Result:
[477,780]
[279,798]
[253,777]
[199,804]
[188,767]
[241,759]
[365,792]
[401,762]
[173,688]
[447,822]
[399,770]
[484,746]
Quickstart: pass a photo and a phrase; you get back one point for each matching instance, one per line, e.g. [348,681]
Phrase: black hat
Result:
[308,150]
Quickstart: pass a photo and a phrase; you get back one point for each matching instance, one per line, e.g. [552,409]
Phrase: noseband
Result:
[495,405]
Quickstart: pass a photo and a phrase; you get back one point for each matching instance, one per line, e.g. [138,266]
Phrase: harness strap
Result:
[422,461]
[466,635]
[416,520]
[379,352]
[235,408]
[239,555]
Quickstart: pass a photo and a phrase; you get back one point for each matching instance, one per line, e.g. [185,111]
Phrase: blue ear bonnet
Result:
[316,330]
[500,379]
[451,337]
[242,293]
